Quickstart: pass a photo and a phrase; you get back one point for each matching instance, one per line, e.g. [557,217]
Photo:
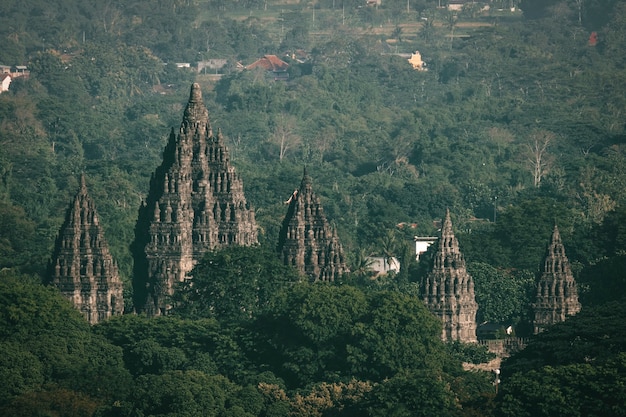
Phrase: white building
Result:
[5,82]
[381,265]
[422,243]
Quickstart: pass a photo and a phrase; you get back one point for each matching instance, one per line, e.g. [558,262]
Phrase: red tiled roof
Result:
[270,63]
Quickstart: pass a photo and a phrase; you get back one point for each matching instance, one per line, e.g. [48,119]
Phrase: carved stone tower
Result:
[557,296]
[306,240]
[448,289]
[82,267]
[195,204]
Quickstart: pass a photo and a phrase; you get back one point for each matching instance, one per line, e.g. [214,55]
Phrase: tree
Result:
[298,36]
[342,398]
[412,394]
[427,31]
[163,344]
[232,284]
[520,236]
[361,266]
[397,334]
[503,296]
[388,246]
[451,23]
[47,344]
[576,367]
[284,135]
[583,389]
[309,327]
[22,368]
[470,352]
[56,402]
[182,393]
[591,336]
[16,232]
[534,9]
[329,333]
[602,280]
[539,160]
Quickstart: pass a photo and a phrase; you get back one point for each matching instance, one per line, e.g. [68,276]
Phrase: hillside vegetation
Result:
[517,124]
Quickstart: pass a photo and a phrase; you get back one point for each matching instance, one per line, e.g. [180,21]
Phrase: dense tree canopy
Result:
[232,284]
[48,346]
[323,333]
[573,368]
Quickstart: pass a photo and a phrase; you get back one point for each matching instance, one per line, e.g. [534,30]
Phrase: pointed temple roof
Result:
[557,294]
[195,204]
[306,240]
[448,289]
[82,267]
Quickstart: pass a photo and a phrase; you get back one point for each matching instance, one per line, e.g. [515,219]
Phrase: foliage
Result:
[184,393]
[232,284]
[602,281]
[470,352]
[46,343]
[329,333]
[56,402]
[15,231]
[331,398]
[573,368]
[387,145]
[420,393]
[502,296]
[163,344]
[387,136]
[592,336]
[519,238]
[583,389]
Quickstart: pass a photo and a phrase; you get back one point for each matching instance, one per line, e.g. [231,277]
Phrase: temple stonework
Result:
[307,241]
[195,204]
[448,289]
[82,267]
[557,296]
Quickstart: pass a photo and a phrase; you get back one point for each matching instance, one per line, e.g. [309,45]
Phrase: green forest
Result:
[516,123]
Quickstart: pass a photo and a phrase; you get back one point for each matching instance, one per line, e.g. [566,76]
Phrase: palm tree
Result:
[388,245]
[362,265]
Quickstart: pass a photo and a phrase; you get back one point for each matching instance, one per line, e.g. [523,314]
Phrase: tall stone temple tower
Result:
[195,204]
[306,240]
[557,296]
[82,267]
[448,289]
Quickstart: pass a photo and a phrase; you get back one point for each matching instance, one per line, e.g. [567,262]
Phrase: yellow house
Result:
[416,61]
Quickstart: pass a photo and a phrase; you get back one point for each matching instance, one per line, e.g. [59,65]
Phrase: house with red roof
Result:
[273,65]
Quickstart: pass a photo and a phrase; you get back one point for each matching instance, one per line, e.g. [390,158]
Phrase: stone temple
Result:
[82,267]
[306,240]
[557,295]
[448,289]
[195,204]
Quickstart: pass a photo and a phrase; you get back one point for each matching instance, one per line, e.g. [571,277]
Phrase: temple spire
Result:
[557,294]
[448,289]
[83,184]
[82,267]
[306,240]
[195,204]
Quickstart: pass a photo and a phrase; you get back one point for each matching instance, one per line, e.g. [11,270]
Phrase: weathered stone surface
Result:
[448,289]
[195,204]
[557,295]
[82,267]
[306,240]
